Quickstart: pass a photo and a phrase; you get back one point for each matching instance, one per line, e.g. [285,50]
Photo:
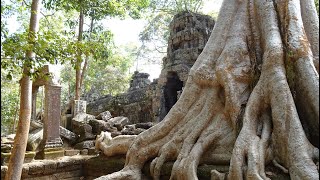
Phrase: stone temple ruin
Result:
[68,143]
[148,101]
[144,104]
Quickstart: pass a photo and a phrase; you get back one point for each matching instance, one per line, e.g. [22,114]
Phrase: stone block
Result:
[6,148]
[29,156]
[69,135]
[71,152]
[50,167]
[79,107]
[36,168]
[52,153]
[85,133]
[98,126]
[84,152]
[92,151]
[105,116]
[146,125]
[80,119]
[102,165]
[69,165]
[69,175]
[84,145]
[119,122]
[25,171]
[5,158]
[34,139]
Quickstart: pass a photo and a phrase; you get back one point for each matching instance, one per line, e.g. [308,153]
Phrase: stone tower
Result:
[147,101]
[189,33]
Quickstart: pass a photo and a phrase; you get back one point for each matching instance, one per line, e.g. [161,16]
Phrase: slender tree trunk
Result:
[20,140]
[84,69]
[85,65]
[79,59]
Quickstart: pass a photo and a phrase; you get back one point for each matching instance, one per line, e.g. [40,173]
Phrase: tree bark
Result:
[20,140]
[85,65]
[79,59]
[257,74]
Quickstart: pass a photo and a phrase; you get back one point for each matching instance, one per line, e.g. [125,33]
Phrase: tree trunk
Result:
[79,59]
[20,140]
[258,73]
[85,65]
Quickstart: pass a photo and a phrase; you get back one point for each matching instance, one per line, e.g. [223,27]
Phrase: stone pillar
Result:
[52,114]
[34,102]
[79,107]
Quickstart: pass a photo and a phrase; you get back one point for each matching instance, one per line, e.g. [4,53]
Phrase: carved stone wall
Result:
[136,103]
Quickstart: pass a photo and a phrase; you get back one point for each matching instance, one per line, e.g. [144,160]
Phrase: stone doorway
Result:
[171,88]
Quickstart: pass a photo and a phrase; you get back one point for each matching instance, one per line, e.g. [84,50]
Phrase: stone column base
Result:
[51,153]
[51,149]
[5,157]
[55,143]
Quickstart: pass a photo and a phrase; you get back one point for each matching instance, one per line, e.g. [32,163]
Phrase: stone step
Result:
[71,152]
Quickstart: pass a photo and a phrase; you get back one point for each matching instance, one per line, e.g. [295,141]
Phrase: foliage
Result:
[107,76]
[9,102]
[52,45]
[95,10]
[99,8]
[6,11]
[155,35]
[317,6]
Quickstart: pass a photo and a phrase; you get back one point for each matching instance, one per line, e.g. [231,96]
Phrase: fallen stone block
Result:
[146,125]
[119,122]
[98,126]
[105,116]
[84,145]
[69,135]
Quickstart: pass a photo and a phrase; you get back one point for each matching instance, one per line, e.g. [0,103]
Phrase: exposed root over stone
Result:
[243,78]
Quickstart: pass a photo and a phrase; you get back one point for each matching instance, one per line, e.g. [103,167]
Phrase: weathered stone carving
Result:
[139,80]
[189,32]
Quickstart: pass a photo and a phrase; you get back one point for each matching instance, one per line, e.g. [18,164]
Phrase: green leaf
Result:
[9,76]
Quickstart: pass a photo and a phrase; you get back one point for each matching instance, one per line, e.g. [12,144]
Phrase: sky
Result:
[127,31]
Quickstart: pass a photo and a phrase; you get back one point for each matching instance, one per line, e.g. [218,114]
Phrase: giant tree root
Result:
[207,117]
[271,122]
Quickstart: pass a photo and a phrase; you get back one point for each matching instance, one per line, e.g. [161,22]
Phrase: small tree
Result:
[95,10]
[20,140]
[22,54]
